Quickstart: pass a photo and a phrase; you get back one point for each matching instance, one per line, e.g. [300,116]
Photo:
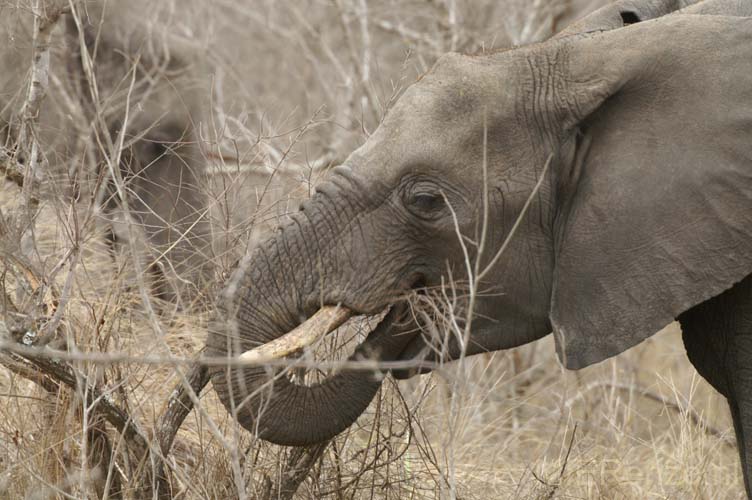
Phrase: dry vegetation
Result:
[291,87]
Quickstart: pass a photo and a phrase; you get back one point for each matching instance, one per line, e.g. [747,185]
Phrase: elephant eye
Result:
[425,203]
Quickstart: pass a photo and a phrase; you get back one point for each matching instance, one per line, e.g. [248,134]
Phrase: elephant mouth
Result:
[326,320]
[331,334]
[368,329]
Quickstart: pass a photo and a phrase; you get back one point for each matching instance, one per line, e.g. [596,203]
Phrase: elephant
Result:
[601,180]
[161,163]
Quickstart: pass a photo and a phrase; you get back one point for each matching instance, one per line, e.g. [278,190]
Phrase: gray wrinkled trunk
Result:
[280,286]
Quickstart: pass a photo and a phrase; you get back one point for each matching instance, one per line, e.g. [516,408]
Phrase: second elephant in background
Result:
[144,94]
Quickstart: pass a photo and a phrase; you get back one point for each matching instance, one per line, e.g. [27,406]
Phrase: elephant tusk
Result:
[326,319]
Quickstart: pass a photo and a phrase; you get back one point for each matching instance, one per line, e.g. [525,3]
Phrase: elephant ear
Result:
[741,8]
[658,217]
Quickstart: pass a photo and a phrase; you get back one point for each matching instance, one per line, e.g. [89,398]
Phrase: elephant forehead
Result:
[410,136]
[439,120]
[455,92]
[435,105]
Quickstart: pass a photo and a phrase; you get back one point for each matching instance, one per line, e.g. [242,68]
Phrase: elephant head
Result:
[613,168]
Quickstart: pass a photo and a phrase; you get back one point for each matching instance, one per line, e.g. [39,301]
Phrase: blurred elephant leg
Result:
[718,338]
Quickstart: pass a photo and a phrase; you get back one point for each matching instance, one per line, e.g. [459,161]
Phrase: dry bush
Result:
[290,88]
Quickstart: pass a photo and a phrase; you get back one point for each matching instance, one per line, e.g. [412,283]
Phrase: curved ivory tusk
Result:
[326,319]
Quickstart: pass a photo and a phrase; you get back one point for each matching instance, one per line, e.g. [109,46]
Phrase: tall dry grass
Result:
[292,87]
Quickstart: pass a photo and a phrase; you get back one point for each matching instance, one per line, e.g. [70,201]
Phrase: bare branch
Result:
[296,469]
[100,401]
[177,409]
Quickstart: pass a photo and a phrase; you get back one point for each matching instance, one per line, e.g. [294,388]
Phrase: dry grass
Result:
[294,83]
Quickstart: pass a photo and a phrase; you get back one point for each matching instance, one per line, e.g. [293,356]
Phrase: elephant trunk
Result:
[267,297]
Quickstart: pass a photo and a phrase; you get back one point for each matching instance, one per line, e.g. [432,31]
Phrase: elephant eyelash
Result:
[424,197]
[426,201]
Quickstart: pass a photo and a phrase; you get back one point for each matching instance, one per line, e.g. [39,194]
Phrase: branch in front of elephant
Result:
[474,275]
[438,311]
[517,223]
[298,465]
[114,357]
[178,407]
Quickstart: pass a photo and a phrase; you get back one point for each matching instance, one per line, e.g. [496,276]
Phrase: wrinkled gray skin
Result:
[644,215]
[161,163]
